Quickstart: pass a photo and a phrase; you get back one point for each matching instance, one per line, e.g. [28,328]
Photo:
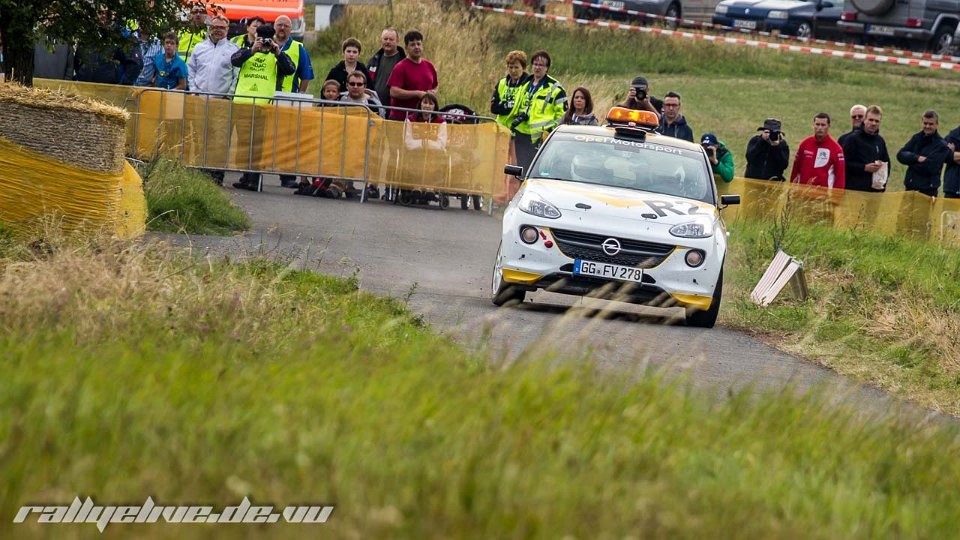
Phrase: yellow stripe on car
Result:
[524,278]
[693,300]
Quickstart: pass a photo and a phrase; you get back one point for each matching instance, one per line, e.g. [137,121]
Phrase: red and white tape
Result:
[699,24]
[931,64]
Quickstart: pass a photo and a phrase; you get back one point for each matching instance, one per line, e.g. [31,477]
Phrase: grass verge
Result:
[883,310]
[183,200]
[131,372]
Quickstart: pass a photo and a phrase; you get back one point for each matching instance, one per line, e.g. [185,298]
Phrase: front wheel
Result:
[805,31]
[504,293]
[477,202]
[942,42]
[707,318]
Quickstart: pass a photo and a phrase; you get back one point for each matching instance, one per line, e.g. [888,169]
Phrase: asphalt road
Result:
[442,261]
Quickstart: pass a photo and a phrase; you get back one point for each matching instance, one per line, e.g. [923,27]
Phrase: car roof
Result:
[656,138]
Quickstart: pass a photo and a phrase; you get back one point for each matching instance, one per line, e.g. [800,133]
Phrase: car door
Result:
[826,27]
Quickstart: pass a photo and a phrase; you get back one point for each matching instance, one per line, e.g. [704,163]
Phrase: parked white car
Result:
[616,212]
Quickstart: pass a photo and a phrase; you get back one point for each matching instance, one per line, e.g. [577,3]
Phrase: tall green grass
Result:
[186,200]
[881,309]
[211,381]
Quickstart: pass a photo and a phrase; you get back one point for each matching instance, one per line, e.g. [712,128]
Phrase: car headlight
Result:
[692,230]
[721,10]
[778,14]
[534,204]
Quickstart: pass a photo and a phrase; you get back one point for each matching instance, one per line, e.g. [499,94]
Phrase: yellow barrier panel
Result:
[33,185]
[212,132]
[907,214]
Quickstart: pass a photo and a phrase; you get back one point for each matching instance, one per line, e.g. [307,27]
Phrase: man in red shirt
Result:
[412,77]
[819,160]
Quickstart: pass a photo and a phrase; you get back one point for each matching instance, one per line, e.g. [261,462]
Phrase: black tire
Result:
[673,10]
[477,202]
[405,197]
[443,201]
[503,293]
[942,42]
[707,319]
[805,30]
[464,201]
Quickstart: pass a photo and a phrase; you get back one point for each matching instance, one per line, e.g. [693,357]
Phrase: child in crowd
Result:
[426,137]
[171,70]
[330,92]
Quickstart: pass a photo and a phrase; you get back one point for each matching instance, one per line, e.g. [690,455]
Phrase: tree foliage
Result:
[94,22]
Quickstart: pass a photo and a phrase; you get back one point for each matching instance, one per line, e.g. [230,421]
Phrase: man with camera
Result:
[767,153]
[721,160]
[865,151]
[639,98]
[262,70]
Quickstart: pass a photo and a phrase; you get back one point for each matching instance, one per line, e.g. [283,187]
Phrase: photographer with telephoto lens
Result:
[768,152]
[639,98]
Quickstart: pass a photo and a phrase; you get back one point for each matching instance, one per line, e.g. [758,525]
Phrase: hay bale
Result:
[66,127]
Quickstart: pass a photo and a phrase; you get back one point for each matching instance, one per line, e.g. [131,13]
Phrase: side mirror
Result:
[727,200]
[515,170]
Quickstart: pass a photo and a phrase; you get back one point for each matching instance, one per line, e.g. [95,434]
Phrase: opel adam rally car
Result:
[616,212]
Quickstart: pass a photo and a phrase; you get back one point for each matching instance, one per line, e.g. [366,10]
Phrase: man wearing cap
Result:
[767,153]
[639,99]
[721,160]
[819,160]
[865,153]
[857,112]
[672,123]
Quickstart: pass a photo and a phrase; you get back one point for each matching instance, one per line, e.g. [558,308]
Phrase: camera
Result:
[641,92]
[520,118]
[774,136]
[267,43]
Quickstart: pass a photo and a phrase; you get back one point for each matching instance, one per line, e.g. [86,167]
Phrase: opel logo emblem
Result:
[611,246]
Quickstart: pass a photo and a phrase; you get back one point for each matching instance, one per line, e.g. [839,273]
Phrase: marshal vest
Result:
[293,51]
[189,40]
[258,77]
[507,94]
[544,107]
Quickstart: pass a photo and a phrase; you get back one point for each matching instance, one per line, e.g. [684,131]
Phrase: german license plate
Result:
[608,271]
[612,4]
[749,25]
[880,30]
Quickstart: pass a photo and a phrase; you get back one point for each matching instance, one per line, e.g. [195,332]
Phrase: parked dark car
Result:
[667,8]
[930,24]
[789,17]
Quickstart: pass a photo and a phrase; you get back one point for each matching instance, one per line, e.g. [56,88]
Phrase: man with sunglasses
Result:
[357,92]
[857,114]
[193,35]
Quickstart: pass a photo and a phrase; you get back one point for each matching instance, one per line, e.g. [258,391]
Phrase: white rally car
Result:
[616,212]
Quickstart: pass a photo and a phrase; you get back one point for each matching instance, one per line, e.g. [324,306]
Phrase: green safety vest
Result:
[507,93]
[240,40]
[293,51]
[189,40]
[258,77]
[545,108]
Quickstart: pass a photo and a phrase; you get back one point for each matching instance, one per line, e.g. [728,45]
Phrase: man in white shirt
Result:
[209,71]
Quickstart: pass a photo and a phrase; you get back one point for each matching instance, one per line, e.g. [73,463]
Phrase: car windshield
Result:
[623,163]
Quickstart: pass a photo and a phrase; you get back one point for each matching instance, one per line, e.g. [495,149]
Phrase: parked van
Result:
[914,23]
[268,10]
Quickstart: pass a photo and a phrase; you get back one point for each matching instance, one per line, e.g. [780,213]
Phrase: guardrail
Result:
[303,136]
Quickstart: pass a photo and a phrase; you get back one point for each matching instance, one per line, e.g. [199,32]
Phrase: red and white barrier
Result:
[883,59]
[698,24]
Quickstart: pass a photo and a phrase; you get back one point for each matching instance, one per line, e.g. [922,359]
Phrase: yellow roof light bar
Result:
[632,118]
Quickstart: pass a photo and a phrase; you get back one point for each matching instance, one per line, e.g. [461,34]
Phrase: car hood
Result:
[618,205]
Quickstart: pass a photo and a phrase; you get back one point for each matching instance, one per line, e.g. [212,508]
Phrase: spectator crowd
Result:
[400,83]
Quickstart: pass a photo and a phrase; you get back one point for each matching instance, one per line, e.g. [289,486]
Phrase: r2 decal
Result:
[662,207]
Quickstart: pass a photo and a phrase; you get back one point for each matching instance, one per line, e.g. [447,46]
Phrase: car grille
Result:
[634,253]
